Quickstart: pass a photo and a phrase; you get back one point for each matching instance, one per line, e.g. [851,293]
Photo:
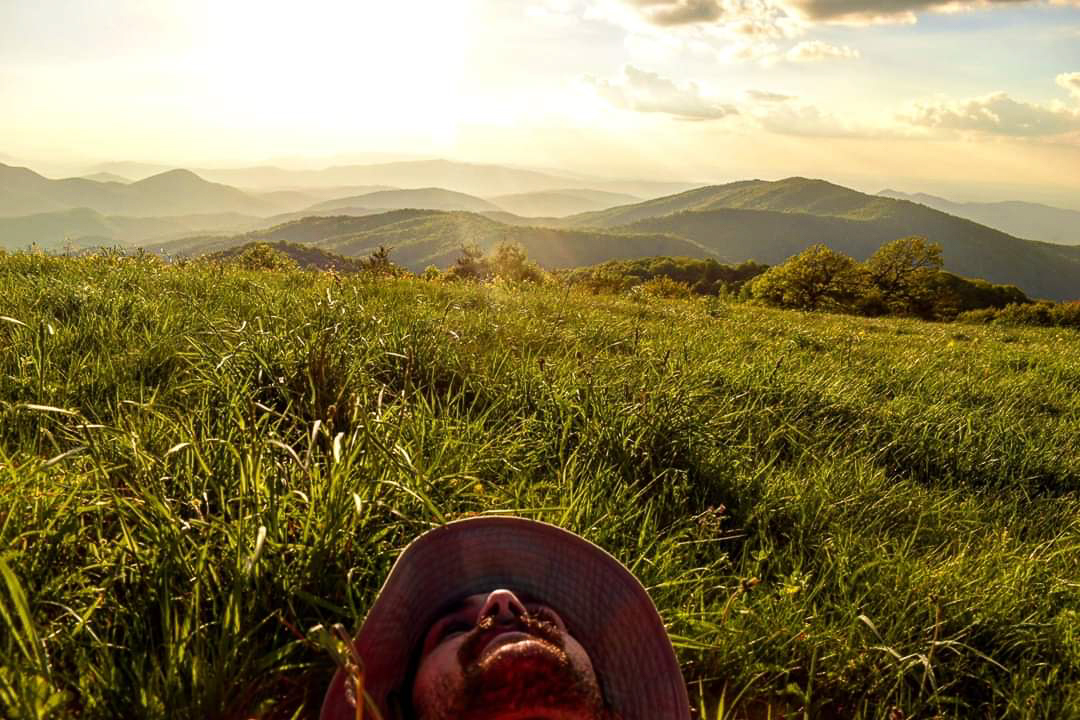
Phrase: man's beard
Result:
[541,676]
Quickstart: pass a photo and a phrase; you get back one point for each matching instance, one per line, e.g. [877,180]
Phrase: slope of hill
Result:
[1041,270]
[1032,221]
[305,256]
[85,228]
[769,221]
[429,237]
[559,203]
[420,198]
[176,192]
[107,177]
[814,197]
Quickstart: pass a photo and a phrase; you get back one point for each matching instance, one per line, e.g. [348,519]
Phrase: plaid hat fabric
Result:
[603,605]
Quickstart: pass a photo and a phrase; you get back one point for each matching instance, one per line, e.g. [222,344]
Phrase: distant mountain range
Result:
[84,228]
[421,198]
[176,192]
[561,202]
[751,220]
[474,179]
[179,212]
[1022,219]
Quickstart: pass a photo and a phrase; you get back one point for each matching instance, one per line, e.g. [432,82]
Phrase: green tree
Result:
[470,265]
[903,273]
[510,262]
[818,277]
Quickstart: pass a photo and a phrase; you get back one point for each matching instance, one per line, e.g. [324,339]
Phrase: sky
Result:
[971,100]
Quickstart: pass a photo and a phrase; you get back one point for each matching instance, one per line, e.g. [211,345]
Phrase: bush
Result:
[509,262]
[1041,314]
[954,295]
[818,277]
[703,277]
[665,287]
[261,256]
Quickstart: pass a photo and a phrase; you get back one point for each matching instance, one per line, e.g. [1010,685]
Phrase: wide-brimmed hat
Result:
[603,605]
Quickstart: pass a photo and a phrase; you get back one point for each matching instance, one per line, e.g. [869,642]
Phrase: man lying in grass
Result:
[502,618]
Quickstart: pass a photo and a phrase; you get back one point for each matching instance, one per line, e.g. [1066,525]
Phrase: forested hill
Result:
[419,238]
[770,221]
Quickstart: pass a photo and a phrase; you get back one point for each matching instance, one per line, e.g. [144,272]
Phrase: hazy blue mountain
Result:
[176,192]
[562,202]
[1032,221]
[420,198]
[107,177]
[471,178]
[84,228]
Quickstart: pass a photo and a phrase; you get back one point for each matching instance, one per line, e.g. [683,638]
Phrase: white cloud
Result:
[995,114]
[763,96]
[816,50]
[804,120]
[648,92]
[1071,82]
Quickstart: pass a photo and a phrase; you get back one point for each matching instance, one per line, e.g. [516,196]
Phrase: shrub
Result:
[510,262]
[665,287]
[818,277]
[261,256]
[954,295]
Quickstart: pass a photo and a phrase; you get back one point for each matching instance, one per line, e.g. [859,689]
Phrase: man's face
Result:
[494,657]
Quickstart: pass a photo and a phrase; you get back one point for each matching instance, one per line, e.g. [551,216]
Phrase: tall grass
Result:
[837,517]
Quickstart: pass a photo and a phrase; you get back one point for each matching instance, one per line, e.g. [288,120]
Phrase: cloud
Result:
[804,120]
[763,96]
[666,13]
[1071,82]
[995,114]
[860,12]
[816,50]
[644,91]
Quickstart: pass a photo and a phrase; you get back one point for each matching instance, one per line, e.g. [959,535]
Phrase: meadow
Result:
[838,517]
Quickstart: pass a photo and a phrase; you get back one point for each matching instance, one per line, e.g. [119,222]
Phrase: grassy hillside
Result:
[427,237]
[836,517]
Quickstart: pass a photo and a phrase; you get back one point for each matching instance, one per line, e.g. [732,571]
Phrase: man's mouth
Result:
[506,637]
[488,637]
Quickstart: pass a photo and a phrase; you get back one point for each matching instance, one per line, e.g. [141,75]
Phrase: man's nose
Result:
[503,605]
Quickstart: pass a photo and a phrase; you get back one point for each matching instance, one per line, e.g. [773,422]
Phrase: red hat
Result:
[603,605]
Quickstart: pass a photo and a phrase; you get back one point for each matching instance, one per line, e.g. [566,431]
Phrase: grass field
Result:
[837,517]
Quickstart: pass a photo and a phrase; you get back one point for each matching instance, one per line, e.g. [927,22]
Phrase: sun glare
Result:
[344,71]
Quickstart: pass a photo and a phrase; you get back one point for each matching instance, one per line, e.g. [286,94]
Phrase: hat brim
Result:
[603,605]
